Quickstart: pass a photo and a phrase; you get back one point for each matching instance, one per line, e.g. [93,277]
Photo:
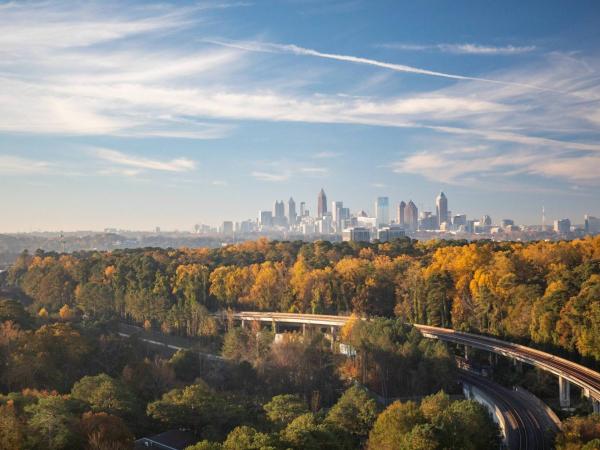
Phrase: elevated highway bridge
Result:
[567,372]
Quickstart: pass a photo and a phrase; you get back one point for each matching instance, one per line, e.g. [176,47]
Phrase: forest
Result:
[69,380]
[544,294]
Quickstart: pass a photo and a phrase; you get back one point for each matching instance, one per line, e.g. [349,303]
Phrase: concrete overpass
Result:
[567,372]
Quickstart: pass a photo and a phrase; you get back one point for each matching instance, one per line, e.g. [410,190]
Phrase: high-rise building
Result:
[303,209]
[441,207]
[382,211]
[400,213]
[592,224]
[321,204]
[279,214]
[336,213]
[411,216]
[486,221]
[265,218]
[562,226]
[292,211]
[227,228]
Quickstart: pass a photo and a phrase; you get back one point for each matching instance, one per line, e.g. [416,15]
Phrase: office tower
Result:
[382,211]
[302,209]
[227,227]
[292,211]
[562,226]
[411,218]
[400,213]
[441,208]
[345,215]
[592,224]
[321,204]
[279,209]
[486,221]
[265,218]
[505,223]
[279,214]
[336,213]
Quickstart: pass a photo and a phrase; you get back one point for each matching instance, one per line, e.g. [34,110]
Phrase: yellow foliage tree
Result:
[66,313]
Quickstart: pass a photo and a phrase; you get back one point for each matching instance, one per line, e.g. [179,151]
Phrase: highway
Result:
[577,374]
[585,378]
[527,426]
[526,422]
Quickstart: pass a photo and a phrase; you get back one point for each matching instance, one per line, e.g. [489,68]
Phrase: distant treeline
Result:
[546,293]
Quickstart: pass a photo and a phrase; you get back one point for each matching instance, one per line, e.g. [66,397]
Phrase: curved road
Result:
[526,423]
[587,379]
[527,428]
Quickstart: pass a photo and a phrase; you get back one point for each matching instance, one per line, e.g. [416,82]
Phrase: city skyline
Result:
[143,114]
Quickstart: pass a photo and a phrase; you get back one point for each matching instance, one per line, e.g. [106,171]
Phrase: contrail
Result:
[294,49]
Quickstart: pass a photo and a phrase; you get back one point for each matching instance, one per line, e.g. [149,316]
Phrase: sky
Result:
[141,114]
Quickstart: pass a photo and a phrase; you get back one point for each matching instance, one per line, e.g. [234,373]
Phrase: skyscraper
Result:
[279,213]
[321,204]
[400,213]
[336,212]
[382,211]
[411,214]
[441,207]
[292,211]
[302,209]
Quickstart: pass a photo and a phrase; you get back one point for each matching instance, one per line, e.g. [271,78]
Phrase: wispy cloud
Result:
[122,159]
[326,155]
[271,176]
[314,171]
[463,49]
[16,165]
[489,166]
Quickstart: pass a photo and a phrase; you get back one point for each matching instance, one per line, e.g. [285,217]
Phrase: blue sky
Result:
[141,114]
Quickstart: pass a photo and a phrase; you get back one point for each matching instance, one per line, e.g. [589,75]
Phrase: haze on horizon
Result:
[142,114]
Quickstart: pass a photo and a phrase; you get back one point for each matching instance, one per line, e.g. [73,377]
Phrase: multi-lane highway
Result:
[526,424]
[587,379]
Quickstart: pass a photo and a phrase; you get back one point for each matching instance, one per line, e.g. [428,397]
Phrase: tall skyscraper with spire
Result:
[321,204]
[411,214]
[441,207]
[292,211]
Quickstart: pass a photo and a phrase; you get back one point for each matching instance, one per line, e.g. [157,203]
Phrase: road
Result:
[527,421]
[170,344]
[585,378]
[528,426]
[577,374]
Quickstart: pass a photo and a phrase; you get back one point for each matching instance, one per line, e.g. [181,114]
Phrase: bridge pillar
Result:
[596,406]
[303,329]
[243,323]
[564,392]
[332,329]
[518,365]
[466,352]
[274,327]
